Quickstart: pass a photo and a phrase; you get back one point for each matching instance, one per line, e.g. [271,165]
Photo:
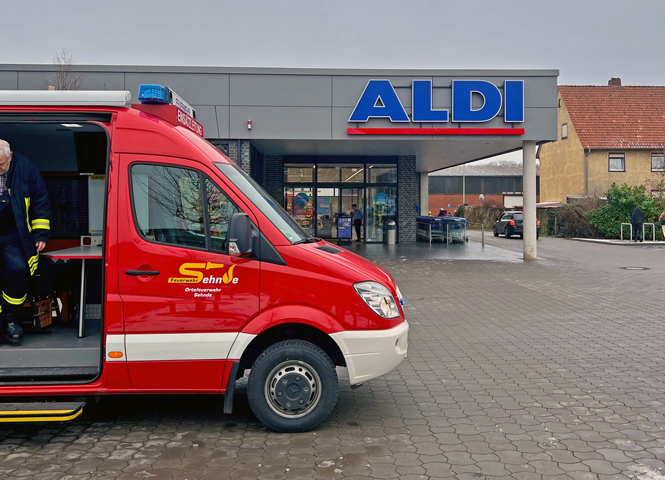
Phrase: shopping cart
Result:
[443,229]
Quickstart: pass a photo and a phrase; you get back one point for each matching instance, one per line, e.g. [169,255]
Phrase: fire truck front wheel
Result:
[292,386]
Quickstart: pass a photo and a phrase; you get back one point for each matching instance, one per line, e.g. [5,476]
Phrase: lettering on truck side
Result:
[193,275]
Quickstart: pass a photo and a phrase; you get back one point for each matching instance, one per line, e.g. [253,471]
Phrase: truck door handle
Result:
[143,273]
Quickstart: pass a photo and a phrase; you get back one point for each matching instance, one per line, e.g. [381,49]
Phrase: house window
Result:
[564,131]
[657,162]
[617,162]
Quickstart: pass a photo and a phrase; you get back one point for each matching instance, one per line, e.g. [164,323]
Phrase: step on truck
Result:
[179,273]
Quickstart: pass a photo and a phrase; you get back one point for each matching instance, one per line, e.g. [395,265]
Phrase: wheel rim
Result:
[293,389]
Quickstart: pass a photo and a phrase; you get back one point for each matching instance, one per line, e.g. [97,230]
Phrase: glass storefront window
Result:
[317,194]
[298,173]
[353,174]
[328,174]
[381,206]
[341,174]
[327,202]
[299,203]
[382,174]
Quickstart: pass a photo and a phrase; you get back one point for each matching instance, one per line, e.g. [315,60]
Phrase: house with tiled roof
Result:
[607,134]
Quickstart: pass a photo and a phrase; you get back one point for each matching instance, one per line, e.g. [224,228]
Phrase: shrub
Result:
[571,220]
[460,210]
[486,215]
[621,201]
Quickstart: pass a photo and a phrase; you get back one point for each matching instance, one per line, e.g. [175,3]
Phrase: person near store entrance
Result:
[24,231]
[357,220]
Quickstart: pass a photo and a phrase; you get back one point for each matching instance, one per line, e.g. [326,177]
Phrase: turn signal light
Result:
[115,354]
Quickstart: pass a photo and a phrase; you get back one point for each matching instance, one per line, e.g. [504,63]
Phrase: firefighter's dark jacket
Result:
[30,204]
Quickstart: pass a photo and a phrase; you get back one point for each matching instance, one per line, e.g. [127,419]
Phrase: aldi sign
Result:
[379,100]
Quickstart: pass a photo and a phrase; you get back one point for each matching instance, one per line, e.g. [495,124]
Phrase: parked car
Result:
[510,223]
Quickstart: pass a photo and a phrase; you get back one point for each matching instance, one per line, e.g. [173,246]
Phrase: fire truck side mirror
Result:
[240,235]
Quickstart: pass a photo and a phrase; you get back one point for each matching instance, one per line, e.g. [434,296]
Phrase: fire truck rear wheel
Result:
[292,386]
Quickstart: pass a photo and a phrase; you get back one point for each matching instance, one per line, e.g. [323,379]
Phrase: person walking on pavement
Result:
[637,221]
[357,216]
[24,231]
[661,219]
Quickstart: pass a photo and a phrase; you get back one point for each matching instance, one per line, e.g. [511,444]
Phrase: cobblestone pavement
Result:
[542,370]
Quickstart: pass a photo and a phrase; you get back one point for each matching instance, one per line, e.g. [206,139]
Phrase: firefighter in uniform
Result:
[24,231]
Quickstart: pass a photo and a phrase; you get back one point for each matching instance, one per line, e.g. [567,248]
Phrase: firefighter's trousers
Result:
[15,277]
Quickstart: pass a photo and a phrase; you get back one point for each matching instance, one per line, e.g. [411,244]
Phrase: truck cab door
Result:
[184,298]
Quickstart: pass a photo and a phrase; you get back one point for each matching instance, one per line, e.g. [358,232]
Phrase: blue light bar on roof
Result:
[154,94]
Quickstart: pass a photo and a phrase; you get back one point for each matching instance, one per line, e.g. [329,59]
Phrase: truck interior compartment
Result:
[71,154]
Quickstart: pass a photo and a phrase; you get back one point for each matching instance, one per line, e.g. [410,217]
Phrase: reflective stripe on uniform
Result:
[41,223]
[33,262]
[14,301]
[27,214]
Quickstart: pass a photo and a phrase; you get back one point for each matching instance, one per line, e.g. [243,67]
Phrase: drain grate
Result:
[634,268]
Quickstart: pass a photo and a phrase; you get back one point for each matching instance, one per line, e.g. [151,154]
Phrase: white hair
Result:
[4,148]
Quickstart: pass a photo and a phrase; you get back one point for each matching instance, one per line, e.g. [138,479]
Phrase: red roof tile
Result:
[617,117]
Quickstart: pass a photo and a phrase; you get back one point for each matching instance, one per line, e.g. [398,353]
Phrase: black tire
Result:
[522,236]
[506,233]
[496,234]
[303,367]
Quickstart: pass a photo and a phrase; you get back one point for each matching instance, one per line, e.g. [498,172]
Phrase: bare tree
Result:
[66,76]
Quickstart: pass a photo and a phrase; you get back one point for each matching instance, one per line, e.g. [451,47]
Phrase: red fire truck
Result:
[203,275]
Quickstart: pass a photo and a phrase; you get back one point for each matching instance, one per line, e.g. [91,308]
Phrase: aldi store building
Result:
[321,140]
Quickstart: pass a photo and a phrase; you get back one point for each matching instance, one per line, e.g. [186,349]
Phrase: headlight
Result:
[378,298]
[400,298]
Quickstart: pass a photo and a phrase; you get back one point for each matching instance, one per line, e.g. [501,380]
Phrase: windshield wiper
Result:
[306,240]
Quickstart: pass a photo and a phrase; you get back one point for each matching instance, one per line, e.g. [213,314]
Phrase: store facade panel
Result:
[34,80]
[206,115]
[280,122]
[294,90]
[222,118]
[8,80]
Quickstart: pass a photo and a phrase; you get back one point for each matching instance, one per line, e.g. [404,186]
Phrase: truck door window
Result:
[220,209]
[167,205]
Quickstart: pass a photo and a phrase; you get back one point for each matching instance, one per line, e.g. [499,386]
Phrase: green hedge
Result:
[621,201]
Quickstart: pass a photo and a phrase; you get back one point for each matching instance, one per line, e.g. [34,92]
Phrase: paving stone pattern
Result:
[542,370]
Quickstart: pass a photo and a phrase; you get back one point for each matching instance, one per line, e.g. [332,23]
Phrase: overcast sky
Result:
[589,41]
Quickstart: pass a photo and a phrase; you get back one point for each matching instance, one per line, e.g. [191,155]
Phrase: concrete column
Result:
[424,194]
[529,197]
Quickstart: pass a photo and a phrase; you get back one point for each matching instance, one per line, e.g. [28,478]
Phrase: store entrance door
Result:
[333,202]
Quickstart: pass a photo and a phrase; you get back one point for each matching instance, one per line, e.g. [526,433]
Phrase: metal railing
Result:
[631,231]
[644,231]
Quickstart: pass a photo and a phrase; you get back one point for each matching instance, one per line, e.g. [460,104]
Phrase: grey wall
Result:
[297,103]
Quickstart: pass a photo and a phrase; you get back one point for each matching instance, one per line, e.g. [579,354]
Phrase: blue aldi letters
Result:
[379,100]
